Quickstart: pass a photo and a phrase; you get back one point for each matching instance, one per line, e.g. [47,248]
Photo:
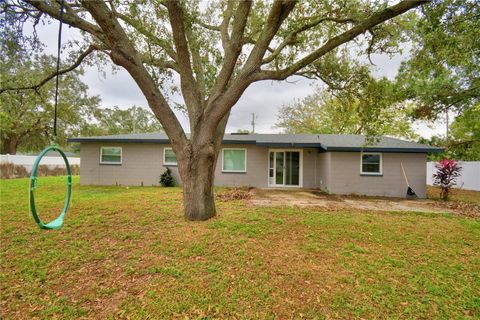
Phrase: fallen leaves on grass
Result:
[234,194]
[461,208]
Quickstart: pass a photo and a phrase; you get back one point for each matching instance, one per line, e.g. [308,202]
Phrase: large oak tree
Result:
[217,50]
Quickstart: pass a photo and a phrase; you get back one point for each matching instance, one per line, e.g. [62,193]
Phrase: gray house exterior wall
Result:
[345,177]
[323,176]
[257,169]
[335,172]
[141,163]
[310,167]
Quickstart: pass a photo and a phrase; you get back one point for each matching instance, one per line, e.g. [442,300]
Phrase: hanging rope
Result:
[58,222]
[62,4]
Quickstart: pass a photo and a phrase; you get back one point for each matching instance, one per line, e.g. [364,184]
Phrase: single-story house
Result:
[340,164]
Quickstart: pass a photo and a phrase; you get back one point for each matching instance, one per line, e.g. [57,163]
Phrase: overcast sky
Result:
[263,98]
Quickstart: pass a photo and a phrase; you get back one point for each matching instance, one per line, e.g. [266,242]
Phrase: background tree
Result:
[244,131]
[464,140]
[110,121]
[218,50]
[26,116]
[369,108]
[443,72]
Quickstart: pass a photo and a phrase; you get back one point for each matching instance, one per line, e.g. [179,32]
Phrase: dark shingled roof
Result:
[326,142]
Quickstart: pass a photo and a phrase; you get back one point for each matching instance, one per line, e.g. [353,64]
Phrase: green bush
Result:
[166,179]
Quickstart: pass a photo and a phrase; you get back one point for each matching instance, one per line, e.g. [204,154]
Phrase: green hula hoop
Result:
[58,222]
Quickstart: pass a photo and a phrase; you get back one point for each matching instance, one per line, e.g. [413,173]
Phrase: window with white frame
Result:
[371,163]
[234,160]
[111,155]
[169,157]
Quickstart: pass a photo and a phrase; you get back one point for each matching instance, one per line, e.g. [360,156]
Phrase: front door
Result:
[284,168]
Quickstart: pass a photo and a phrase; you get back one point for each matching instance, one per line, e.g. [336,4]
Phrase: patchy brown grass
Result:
[462,202]
[462,195]
[128,253]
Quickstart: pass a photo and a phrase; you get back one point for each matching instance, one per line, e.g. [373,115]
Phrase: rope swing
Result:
[58,222]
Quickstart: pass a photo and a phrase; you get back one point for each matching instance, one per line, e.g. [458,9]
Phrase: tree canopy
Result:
[219,49]
[26,113]
[465,135]
[443,74]
[26,116]
[443,71]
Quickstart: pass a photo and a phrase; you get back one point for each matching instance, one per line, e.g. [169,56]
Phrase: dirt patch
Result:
[234,194]
[462,208]
[314,198]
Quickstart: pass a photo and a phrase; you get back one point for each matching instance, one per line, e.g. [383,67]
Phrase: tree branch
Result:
[279,12]
[207,26]
[72,67]
[148,34]
[221,105]
[197,64]
[462,143]
[346,36]
[188,83]
[313,74]
[162,64]
[232,49]
[123,53]
[291,37]
[371,43]
[69,18]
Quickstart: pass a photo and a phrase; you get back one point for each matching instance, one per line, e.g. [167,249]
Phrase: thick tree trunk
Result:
[198,177]
[9,146]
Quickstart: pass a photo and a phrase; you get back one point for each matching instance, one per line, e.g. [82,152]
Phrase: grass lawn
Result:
[129,253]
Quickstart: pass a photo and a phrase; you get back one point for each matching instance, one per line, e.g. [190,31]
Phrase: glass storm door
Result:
[284,168]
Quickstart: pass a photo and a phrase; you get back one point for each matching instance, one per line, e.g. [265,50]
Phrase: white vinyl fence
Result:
[28,161]
[469,177]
